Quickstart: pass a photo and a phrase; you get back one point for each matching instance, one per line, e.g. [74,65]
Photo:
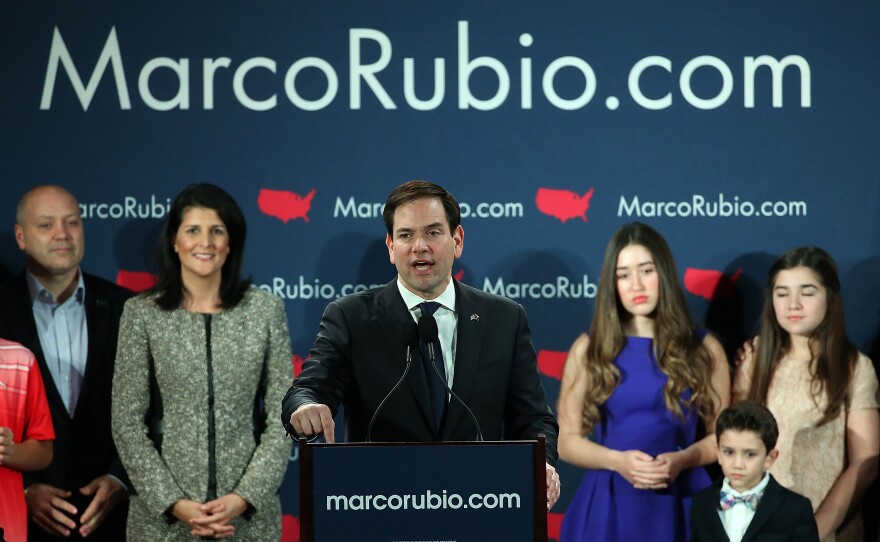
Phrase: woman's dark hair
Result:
[834,355]
[170,287]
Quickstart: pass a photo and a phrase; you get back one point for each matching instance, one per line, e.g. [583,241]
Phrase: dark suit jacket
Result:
[84,447]
[359,356]
[781,515]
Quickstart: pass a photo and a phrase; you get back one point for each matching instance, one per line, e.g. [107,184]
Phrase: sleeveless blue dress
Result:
[606,507]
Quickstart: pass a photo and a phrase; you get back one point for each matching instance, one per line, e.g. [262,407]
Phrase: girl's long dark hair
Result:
[834,356]
[680,354]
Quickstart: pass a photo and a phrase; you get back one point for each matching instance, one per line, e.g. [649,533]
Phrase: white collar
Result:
[38,291]
[446,299]
[758,489]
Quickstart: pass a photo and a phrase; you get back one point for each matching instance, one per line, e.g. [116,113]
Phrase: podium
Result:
[423,492]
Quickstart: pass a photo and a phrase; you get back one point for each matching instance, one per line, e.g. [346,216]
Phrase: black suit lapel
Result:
[97,322]
[470,330]
[770,501]
[392,314]
[20,318]
[714,519]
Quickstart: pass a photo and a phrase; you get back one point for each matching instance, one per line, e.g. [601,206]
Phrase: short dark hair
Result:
[170,284]
[411,191]
[749,416]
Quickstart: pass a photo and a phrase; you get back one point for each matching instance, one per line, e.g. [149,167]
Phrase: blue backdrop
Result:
[737,129]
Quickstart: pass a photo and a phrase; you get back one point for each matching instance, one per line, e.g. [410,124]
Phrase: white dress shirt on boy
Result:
[737,518]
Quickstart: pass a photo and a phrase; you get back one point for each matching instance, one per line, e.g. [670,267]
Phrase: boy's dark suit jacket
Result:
[359,356]
[781,515]
[84,447]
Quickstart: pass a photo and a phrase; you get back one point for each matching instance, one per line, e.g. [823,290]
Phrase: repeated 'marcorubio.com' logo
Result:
[559,287]
[706,283]
[571,205]
[352,208]
[699,205]
[301,288]
[286,205]
[126,208]
[560,204]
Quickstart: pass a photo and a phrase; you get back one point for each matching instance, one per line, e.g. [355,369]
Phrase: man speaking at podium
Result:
[391,374]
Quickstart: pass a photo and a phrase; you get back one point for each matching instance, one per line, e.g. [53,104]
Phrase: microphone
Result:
[410,338]
[429,333]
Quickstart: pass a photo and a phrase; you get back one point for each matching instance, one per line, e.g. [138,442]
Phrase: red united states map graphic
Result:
[563,204]
[285,205]
[136,281]
[709,283]
[289,528]
[554,525]
[298,364]
[551,363]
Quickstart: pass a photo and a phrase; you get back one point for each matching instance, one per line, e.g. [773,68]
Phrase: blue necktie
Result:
[436,388]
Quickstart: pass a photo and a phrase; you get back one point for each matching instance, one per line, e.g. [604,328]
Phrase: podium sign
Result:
[449,491]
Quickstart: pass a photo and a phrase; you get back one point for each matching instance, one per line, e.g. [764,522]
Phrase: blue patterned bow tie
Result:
[728,501]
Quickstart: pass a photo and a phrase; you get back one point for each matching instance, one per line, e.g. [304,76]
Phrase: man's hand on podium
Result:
[554,487]
[314,419]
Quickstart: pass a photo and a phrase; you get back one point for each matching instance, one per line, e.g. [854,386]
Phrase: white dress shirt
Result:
[737,518]
[446,318]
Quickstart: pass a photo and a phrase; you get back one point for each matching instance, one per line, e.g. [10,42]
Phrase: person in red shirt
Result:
[26,434]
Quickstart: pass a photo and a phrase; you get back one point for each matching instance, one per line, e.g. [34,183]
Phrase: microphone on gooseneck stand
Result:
[429,333]
[410,337]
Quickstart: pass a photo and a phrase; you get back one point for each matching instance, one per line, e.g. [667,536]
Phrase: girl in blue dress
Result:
[633,392]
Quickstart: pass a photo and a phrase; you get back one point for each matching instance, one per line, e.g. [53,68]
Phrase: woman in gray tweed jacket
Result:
[198,355]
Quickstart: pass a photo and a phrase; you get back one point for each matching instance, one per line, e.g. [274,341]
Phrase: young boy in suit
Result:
[748,505]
